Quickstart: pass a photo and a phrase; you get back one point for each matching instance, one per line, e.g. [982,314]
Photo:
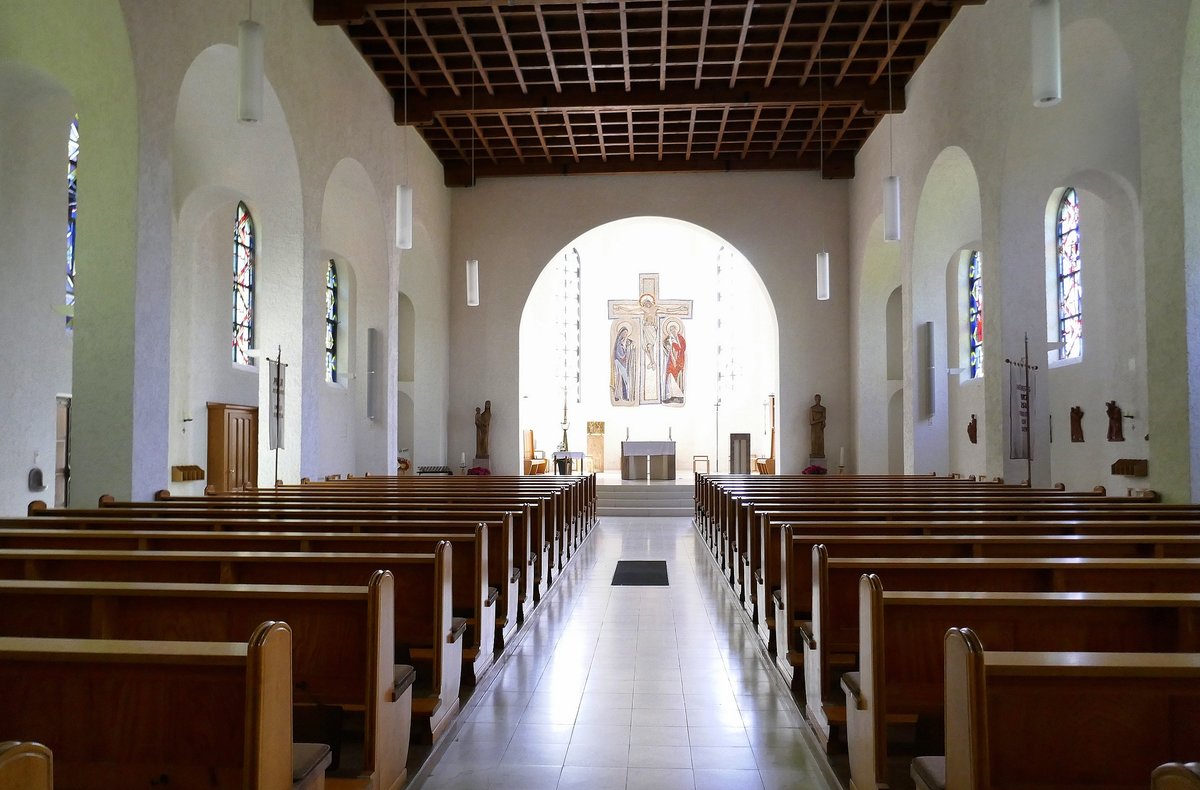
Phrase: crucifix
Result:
[650,312]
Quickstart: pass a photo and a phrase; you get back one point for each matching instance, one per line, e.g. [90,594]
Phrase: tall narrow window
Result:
[72,206]
[975,314]
[331,322]
[243,286]
[1070,279]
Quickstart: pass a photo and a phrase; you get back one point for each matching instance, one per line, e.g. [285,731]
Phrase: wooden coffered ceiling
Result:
[553,87]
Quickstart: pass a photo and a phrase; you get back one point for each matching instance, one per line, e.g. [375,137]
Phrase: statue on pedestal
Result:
[816,423]
[1076,424]
[973,430]
[483,422]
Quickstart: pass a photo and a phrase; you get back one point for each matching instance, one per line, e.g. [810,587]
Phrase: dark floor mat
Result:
[641,573]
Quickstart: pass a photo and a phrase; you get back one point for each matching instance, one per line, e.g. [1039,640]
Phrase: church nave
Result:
[633,687]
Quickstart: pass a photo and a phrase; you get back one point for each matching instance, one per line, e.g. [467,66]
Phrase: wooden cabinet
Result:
[232,447]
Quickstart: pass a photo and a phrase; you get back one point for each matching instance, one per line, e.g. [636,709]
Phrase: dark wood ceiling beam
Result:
[783,32]
[753,128]
[787,119]
[629,125]
[842,132]
[741,45]
[458,174]
[895,42]
[691,135]
[817,130]
[541,20]
[721,132]
[703,41]
[862,34]
[662,50]
[398,51]
[662,131]
[453,138]
[537,127]
[470,43]
[433,50]
[512,138]
[478,132]
[600,137]
[624,41]
[570,137]
[875,99]
[587,50]
[820,42]
[350,12]
[508,46]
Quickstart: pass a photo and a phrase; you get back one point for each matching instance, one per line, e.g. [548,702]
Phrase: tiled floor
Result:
[632,687]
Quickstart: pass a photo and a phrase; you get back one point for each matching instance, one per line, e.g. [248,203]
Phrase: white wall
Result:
[1115,132]
[777,220]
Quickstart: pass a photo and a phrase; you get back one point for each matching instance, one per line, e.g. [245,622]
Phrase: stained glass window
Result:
[1070,279]
[243,286]
[72,206]
[331,322]
[975,314]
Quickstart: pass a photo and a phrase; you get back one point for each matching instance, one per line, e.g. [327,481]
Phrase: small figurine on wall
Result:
[1076,424]
[973,430]
[1116,433]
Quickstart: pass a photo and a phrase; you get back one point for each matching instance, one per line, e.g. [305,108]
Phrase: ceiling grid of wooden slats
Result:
[553,87]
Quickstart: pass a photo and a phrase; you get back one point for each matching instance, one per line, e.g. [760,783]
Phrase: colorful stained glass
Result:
[72,207]
[975,314]
[1070,277]
[331,321]
[243,286]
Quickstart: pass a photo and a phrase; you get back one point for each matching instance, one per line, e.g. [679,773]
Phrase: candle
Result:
[842,457]
[463,460]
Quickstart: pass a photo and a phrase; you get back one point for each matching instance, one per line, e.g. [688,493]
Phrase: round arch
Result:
[730,344]
[878,344]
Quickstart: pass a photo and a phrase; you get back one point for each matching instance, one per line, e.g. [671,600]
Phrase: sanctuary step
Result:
[644,500]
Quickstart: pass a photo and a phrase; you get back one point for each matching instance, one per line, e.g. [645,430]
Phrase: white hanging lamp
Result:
[250,69]
[1046,61]
[823,255]
[404,192]
[472,283]
[891,184]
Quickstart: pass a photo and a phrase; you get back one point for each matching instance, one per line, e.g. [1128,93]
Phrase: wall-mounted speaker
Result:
[372,365]
[925,365]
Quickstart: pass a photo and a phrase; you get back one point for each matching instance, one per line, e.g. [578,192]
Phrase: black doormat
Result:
[641,573]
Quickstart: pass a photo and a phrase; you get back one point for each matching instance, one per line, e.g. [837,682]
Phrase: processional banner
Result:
[277,371]
[1020,409]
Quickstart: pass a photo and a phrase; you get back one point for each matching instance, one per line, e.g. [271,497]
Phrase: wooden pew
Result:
[833,639]
[342,657]
[900,630]
[131,714]
[25,766]
[1176,776]
[472,597]
[427,634]
[511,569]
[1061,720]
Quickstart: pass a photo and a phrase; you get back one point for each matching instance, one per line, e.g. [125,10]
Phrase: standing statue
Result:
[483,421]
[1076,424]
[973,430]
[816,423]
[1116,433]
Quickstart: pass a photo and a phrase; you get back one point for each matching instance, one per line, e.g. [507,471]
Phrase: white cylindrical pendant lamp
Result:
[1047,53]
[250,71]
[891,208]
[822,276]
[404,209]
[472,283]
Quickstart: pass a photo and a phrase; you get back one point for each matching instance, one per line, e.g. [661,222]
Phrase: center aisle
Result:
[633,687]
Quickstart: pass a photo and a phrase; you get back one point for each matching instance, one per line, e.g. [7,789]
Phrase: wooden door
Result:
[232,447]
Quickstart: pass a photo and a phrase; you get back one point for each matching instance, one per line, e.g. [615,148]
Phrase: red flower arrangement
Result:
[814,470]
[479,470]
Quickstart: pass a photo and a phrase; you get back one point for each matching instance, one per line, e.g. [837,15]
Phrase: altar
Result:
[647,460]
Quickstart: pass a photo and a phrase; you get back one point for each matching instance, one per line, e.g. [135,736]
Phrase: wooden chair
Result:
[25,766]
[1176,776]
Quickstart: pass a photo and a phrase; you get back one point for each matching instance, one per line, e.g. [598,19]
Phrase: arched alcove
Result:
[735,363]
[406,369]
[216,163]
[352,232]
[895,434]
[879,346]
[948,220]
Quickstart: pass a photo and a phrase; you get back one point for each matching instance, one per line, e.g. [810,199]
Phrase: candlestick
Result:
[842,457]
[463,461]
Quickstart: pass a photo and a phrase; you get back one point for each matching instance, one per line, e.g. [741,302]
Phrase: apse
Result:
[648,328]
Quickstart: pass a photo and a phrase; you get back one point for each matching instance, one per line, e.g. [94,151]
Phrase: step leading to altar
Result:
[644,500]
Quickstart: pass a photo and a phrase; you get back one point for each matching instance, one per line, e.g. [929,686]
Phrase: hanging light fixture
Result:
[823,255]
[250,69]
[472,283]
[472,264]
[891,184]
[404,193]
[1047,53]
